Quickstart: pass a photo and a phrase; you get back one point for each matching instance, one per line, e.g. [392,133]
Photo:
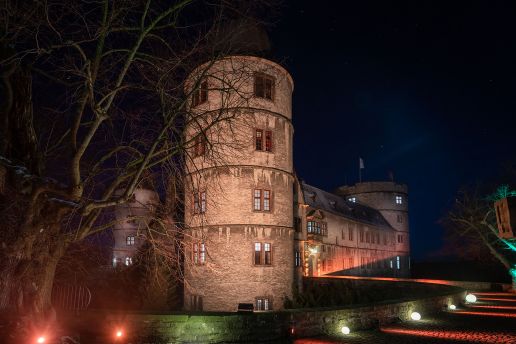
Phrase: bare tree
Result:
[95,101]
[471,228]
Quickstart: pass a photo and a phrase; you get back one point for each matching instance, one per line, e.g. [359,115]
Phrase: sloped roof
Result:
[338,205]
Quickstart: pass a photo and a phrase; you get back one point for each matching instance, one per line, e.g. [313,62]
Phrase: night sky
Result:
[425,90]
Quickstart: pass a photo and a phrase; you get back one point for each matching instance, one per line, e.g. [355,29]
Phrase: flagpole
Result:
[359,170]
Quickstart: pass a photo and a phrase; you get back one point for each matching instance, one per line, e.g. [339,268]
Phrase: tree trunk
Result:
[30,289]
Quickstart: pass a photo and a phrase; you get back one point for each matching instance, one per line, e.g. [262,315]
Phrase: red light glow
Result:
[495,307]
[504,315]
[495,294]
[119,334]
[496,299]
[470,336]
[40,340]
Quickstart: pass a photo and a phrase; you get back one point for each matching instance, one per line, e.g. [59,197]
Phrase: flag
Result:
[361,163]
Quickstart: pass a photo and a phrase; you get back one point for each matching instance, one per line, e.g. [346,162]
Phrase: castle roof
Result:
[340,206]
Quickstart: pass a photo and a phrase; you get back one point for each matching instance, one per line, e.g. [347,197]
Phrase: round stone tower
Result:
[391,199]
[131,219]
[239,186]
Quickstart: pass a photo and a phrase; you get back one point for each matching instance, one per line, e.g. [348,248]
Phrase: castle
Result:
[253,230]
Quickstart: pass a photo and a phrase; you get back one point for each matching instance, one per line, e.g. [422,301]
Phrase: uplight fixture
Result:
[415,316]
[471,298]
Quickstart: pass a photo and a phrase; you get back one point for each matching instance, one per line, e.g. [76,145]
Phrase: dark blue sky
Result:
[425,89]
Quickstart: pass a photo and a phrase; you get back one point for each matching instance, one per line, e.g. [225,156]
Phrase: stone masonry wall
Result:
[268,326]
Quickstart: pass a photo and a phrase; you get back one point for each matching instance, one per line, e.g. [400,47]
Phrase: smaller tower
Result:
[391,200]
[131,219]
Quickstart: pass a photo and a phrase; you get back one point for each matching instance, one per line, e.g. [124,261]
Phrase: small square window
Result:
[199,253]
[297,258]
[263,304]
[200,95]
[262,253]
[352,199]
[399,200]
[199,145]
[130,240]
[199,199]
[128,261]
[262,200]
[196,302]
[264,86]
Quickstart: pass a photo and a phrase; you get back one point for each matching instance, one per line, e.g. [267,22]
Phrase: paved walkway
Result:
[492,319]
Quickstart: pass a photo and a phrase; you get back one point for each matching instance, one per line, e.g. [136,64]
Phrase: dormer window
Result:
[399,200]
[333,204]
[264,86]
[352,199]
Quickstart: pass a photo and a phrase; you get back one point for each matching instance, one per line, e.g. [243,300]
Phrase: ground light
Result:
[40,340]
[452,307]
[119,334]
[345,330]
[471,298]
[415,316]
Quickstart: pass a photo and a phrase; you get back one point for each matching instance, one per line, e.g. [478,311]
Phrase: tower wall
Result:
[131,219]
[383,197]
[228,174]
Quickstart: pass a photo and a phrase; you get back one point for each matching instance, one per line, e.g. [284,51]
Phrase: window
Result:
[398,265]
[350,234]
[315,227]
[196,302]
[384,239]
[297,258]
[351,262]
[263,304]
[400,239]
[399,200]
[200,202]
[259,139]
[264,86]
[263,140]
[262,253]
[361,235]
[129,240]
[199,253]
[267,253]
[128,261]
[352,199]
[368,237]
[262,200]
[390,263]
[400,218]
[199,145]
[200,95]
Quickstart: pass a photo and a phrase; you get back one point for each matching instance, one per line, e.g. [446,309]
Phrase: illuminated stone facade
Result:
[238,249]
[247,216]
[132,219]
[359,230]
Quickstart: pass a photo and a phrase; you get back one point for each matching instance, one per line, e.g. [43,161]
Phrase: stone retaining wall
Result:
[264,327]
